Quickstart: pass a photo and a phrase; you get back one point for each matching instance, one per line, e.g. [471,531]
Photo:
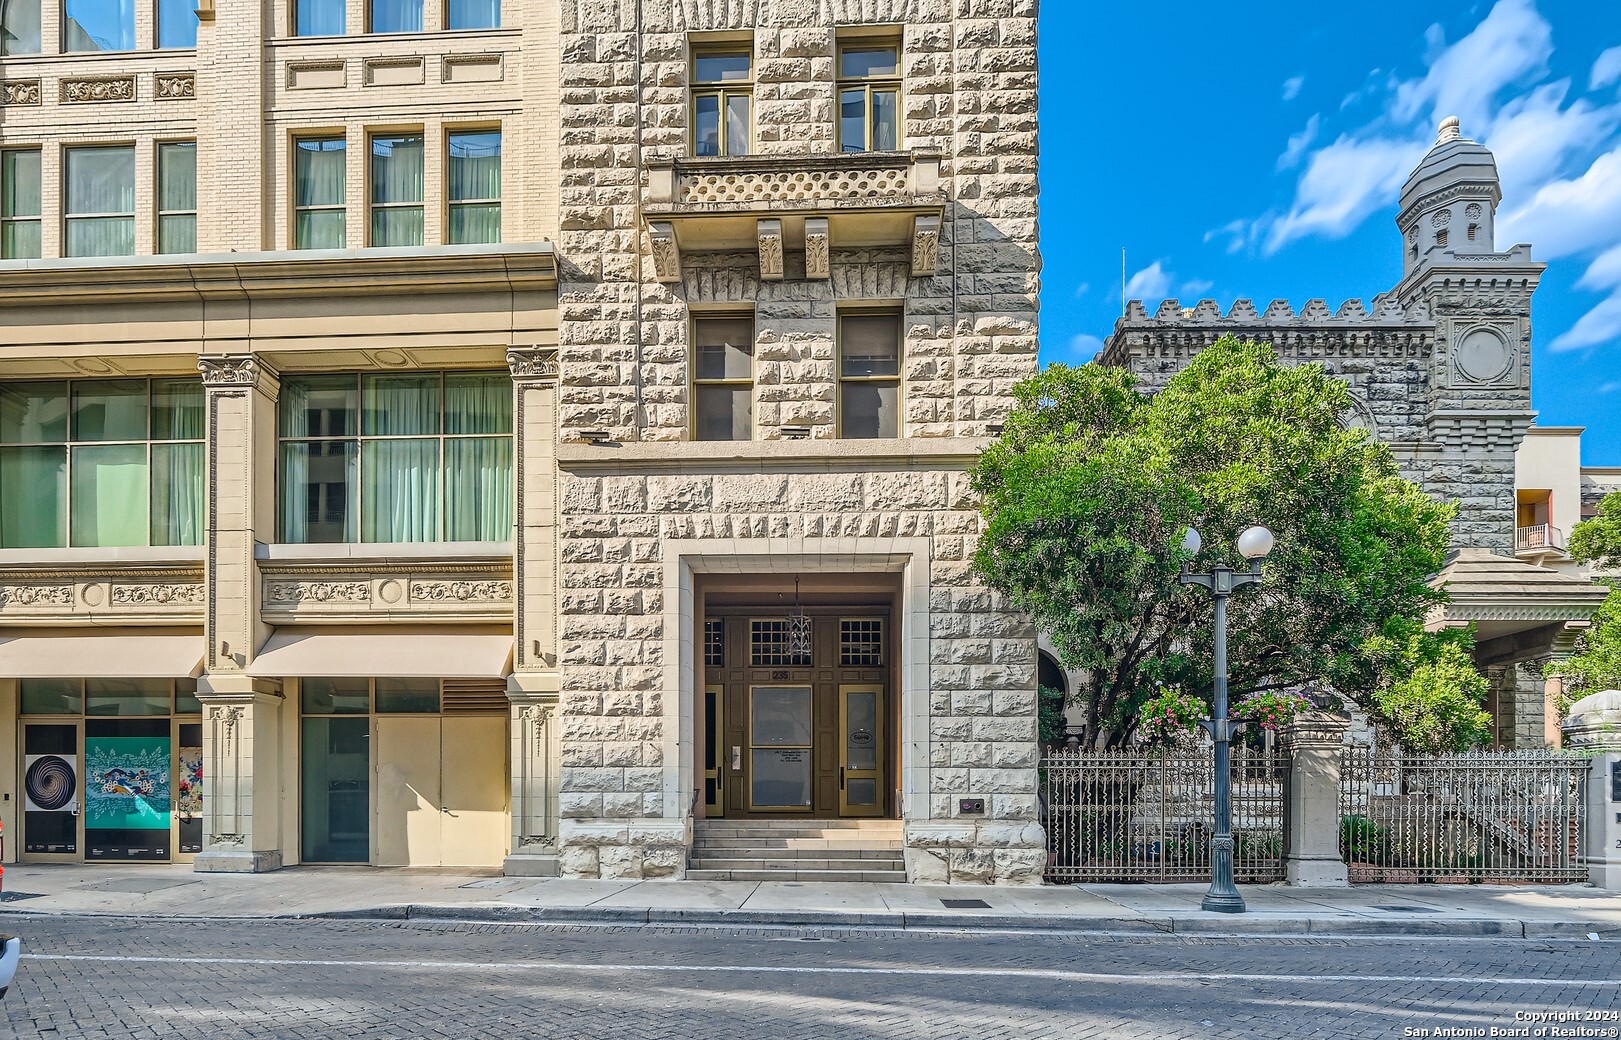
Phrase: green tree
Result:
[1597,540]
[1088,492]
[1596,664]
[1427,688]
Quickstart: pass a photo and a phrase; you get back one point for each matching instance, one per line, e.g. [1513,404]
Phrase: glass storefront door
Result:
[53,790]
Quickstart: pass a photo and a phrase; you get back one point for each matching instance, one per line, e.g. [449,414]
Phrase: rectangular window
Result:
[473,14]
[319,18]
[869,97]
[396,190]
[869,375]
[320,185]
[723,379]
[177,197]
[101,462]
[19,27]
[19,204]
[418,457]
[473,187]
[722,94]
[100,205]
[396,16]
[177,23]
[98,25]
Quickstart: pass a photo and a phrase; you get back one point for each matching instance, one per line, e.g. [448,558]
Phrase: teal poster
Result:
[127,783]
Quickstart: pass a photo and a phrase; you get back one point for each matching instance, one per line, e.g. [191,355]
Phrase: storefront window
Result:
[127,696]
[408,696]
[52,697]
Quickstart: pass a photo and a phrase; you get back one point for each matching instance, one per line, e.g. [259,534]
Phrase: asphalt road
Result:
[108,978]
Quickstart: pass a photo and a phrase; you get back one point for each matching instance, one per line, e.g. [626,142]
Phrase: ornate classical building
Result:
[1440,370]
[440,434]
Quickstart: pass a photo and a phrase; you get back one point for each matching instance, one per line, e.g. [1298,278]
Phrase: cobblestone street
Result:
[111,977]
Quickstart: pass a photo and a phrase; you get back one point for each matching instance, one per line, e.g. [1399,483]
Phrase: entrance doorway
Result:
[402,772]
[791,731]
[111,770]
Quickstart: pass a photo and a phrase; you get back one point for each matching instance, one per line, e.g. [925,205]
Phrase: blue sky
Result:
[1255,150]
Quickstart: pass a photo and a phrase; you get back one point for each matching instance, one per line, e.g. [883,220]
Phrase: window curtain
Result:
[320,181]
[396,187]
[33,497]
[475,14]
[400,406]
[475,188]
[19,27]
[295,493]
[19,198]
[177,196]
[478,402]
[99,25]
[400,492]
[101,183]
[396,16]
[110,487]
[177,494]
[478,489]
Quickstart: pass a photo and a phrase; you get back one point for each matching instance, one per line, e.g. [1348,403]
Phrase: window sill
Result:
[83,556]
[378,552]
[436,35]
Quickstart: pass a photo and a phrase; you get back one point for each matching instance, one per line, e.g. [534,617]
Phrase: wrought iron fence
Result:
[1138,815]
[1501,816]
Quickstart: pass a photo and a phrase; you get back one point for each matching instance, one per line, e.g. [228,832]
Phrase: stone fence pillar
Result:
[1311,801]
[1594,726]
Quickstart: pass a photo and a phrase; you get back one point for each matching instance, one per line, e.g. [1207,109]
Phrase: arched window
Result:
[1049,674]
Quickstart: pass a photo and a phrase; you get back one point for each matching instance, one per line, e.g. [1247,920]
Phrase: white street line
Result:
[753,969]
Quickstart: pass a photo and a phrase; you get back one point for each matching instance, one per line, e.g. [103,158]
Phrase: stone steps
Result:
[798,850]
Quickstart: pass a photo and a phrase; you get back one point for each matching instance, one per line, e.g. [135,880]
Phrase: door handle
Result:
[737,758]
[75,809]
[841,778]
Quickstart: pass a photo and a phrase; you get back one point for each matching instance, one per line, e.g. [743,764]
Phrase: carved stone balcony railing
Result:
[777,203]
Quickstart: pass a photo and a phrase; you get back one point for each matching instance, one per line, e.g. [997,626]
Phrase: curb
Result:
[1173,924]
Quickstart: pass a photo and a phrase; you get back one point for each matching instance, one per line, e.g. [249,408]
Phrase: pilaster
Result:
[242,788]
[535,682]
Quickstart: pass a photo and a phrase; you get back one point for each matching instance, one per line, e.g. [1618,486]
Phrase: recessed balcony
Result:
[1539,540]
[776,203]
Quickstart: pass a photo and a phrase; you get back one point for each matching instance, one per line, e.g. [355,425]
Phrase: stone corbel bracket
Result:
[666,253]
[925,246]
[769,232]
[533,363]
[818,249]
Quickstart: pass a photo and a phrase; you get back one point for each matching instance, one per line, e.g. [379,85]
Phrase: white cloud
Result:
[1296,149]
[1291,87]
[1151,283]
[1606,69]
[1509,47]
[1342,185]
[1535,136]
[1569,216]
[1236,232]
[1082,289]
[1602,324]
[1196,287]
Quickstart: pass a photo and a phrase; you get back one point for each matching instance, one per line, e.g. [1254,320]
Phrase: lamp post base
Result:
[1223,902]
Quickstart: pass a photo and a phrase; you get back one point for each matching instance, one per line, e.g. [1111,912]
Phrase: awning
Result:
[442,652]
[77,654]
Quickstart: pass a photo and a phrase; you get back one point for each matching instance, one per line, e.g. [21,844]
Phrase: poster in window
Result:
[127,795]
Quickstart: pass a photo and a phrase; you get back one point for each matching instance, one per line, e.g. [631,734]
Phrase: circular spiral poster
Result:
[50,782]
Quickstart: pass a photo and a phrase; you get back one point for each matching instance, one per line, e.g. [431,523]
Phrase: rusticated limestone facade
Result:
[660,529]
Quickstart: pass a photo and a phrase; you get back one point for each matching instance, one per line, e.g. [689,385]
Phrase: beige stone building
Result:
[440,434]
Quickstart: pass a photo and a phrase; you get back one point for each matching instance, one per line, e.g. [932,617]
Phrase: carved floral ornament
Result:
[101,88]
[175,86]
[189,593]
[36,595]
[533,362]
[462,591]
[20,92]
[242,370]
[318,592]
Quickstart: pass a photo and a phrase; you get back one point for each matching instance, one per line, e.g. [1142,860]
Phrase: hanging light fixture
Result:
[799,629]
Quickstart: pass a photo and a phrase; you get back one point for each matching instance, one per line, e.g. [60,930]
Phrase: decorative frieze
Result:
[20,92]
[174,86]
[462,591]
[532,362]
[189,594]
[334,590]
[317,592]
[97,89]
[36,595]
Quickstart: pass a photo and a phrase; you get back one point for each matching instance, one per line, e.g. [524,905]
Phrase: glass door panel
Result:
[337,790]
[714,737]
[780,748]
[861,771]
[128,791]
[53,790]
[188,787]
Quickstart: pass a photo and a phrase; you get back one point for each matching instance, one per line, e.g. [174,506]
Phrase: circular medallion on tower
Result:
[1483,355]
[1473,212]
[1442,219]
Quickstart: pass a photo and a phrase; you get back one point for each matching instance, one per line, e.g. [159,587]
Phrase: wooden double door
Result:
[791,733]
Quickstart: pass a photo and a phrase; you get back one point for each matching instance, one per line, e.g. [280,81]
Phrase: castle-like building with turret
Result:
[1439,369]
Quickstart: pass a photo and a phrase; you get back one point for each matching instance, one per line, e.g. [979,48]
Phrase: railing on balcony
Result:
[1538,537]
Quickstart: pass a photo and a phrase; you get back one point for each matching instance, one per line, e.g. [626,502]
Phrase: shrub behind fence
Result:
[1502,816]
[1137,815]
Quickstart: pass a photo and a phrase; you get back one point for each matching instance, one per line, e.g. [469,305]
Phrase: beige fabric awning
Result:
[442,652]
[77,654]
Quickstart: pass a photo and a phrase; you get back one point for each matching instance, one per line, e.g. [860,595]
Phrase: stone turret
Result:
[1448,206]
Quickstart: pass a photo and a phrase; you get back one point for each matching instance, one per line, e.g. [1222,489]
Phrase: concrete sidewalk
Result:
[1572,911]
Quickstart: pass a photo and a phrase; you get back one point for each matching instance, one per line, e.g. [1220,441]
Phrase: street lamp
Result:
[1253,544]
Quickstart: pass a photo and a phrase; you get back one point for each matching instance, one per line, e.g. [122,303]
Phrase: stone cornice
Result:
[775,456]
[293,273]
